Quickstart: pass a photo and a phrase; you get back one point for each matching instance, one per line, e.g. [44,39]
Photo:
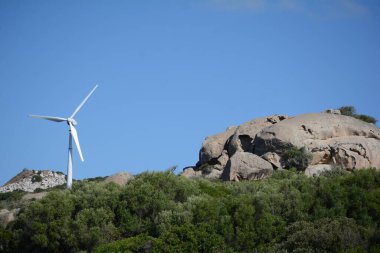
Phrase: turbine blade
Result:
[56,119]
[74,134]
[83,102]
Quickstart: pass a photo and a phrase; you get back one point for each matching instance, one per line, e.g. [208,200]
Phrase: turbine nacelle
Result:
[72,121]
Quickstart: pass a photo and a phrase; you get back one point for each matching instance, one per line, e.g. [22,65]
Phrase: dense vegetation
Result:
[162,212]
[351,111]
[298,158]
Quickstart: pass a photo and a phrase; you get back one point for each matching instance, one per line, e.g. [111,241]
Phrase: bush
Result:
[140,243]
[366,118]
[162,212]
[351,111]
[326,235]
[298,158]
[347,110]
[36,178]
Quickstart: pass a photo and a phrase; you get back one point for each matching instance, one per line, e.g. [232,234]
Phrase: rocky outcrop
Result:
[244,136]
[332,139]
[121,178]
[213,146]
[246,166]
[30,180]
[217,150]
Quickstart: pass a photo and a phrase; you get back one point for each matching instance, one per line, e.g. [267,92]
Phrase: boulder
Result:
[121,178]
[331,138]
[273,158]
[248,166]
[189,172]
[242,139]
[316,170]
[222,161]
[213,146]
[356,152]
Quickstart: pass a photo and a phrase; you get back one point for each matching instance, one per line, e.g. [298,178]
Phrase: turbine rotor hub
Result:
[72,121]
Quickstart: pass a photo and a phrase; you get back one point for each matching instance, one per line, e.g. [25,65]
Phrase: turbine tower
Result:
[72,135]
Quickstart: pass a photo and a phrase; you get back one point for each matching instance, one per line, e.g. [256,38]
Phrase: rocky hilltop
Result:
[30,180]
[254,149]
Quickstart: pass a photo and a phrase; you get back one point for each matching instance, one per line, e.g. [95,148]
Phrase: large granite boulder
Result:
[243,138]
[331,138]
[246,166]
[213,146]
[253,149]
[217,149]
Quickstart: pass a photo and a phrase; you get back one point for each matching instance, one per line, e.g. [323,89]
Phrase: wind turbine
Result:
[72,135]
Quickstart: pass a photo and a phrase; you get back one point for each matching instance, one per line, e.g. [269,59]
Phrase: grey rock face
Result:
[248,166]
[26,181]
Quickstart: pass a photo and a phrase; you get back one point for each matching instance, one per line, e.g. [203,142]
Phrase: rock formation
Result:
[253,149]
[30,180]
[121,178]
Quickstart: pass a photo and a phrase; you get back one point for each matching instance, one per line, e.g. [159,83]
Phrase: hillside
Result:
[161,212]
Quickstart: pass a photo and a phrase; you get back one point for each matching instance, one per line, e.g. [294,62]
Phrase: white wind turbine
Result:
[73,134]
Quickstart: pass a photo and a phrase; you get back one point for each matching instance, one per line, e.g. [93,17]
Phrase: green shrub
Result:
[347,110]
[298,158]
[334,172]
[326,235]
[366,118]
[162,212]
[36,178]
[351,111]
[140,243]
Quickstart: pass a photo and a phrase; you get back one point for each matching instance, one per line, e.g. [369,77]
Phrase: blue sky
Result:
[171,73]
